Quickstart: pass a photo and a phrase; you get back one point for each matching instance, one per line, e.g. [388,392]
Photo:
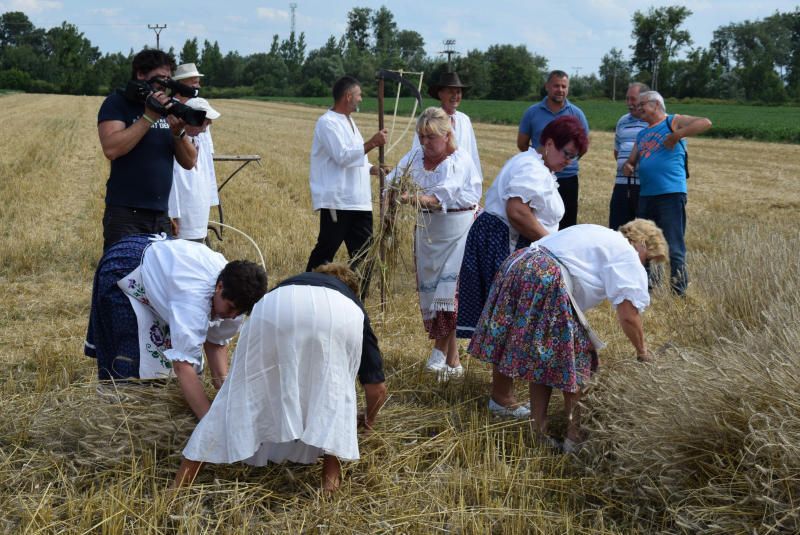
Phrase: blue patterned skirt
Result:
[486,250]
[113,334]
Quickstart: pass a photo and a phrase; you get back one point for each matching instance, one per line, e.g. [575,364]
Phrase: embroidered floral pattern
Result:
[138,291]
[161,341]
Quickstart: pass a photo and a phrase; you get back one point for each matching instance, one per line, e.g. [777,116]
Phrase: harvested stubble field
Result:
[707,441]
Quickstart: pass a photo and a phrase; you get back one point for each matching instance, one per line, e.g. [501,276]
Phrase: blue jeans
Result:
[622,208]
[668,212]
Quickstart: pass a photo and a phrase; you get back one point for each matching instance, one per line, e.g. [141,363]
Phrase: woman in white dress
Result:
[448,188]
[532,327]
[290,394]
[158,303]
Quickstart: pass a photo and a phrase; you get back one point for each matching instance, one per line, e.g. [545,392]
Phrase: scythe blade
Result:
[393,76]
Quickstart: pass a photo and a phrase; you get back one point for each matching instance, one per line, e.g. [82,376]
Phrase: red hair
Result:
[563,130]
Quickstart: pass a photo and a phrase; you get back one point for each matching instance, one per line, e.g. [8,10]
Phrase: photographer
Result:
[141,145]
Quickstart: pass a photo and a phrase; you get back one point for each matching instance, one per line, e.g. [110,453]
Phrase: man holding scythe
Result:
[340,181]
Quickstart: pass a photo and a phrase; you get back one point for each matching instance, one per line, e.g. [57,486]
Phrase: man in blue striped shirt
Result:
[625,197]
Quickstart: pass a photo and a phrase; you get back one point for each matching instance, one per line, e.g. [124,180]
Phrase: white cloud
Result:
[106,11]
[237,18]
[30,7]
[272,13]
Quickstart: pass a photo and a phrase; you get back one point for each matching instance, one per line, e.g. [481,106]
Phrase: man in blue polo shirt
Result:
[624,204]
[555,104]
[660,152]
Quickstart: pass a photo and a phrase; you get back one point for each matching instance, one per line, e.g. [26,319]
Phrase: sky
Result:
[572,35]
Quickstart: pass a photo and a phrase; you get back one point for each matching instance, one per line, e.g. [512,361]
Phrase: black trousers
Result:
[122,221]
[354,228]
[568,189]
[624,205]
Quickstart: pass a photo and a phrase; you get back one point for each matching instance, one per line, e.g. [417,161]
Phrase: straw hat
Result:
[187,70]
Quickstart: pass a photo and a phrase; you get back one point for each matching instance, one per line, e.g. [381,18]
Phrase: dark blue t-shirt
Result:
[143,177]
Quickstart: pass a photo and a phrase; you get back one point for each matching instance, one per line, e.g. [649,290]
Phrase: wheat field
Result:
[708,441]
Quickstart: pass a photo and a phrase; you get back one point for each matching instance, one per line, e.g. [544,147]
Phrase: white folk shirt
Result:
[465,138]
[179,277]
[339,173]
[603,265]
[525,176]
[194,190]
[455,181]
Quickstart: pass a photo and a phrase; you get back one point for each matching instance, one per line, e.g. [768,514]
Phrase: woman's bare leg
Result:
[186,473]
[331,468]
[540,399]
[449,346]
[573,410]
[503,389]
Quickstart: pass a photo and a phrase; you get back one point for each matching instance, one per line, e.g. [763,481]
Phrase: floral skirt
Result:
[113,334]
[528,327]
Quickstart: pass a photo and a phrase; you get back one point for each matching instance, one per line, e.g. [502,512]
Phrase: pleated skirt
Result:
[290,393]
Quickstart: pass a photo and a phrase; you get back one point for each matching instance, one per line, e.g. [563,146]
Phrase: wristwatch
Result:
[181,135]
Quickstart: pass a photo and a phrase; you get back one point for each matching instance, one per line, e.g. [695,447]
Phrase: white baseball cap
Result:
[202,104]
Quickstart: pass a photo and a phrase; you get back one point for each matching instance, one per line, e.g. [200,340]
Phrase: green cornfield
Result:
[756,123]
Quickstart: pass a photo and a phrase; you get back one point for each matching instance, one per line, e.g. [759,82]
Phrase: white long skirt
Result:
[290,394]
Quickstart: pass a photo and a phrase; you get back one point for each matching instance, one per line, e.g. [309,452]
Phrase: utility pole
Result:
[450,50]
[614,90]
[157,29]
[293,7]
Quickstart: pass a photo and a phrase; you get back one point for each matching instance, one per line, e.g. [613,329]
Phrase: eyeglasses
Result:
[571,157]
[641,104]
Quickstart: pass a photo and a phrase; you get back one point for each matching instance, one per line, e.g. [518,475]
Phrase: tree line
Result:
[754,61]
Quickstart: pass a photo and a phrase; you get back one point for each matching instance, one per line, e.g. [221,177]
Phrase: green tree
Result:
[755,50]
[615,74]
[658,38]
[473,69]
[210,58]
[229,70]
[693,76]
[358,23]
[514,72]
[16,30]
[74,55]
[384,30]
[327,70]
[190,52]
[410,46]
[15,79]
[293,53]
[315,88]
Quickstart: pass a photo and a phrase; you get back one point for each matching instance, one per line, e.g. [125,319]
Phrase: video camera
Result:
[140,90]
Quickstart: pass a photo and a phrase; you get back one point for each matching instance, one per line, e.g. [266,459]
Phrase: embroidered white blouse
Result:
[179,277]
[194,191]
[525,176]
[339,172]
[455,181]
[465,138]
[603,265]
